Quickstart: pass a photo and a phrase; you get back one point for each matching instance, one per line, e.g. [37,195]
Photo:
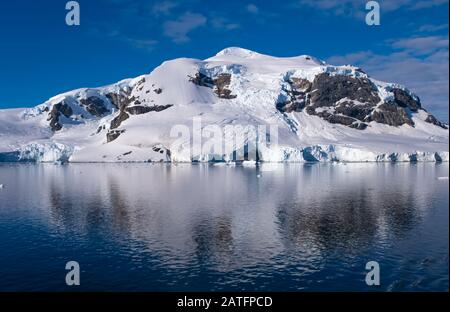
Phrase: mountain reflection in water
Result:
[205,227]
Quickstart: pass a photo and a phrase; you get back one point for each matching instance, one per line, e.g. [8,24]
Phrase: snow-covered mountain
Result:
[322,112]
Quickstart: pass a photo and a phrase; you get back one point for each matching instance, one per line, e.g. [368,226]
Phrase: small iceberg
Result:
[249,163]
[442,178]
[2,186]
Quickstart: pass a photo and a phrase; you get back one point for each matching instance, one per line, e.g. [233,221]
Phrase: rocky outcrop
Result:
[117,121]
[296,95]
[390,114]
[433,120]
[220,84]
[120,100]
[113,134]
[57,110]
[139,109]
[202,80]
[349,101]
[95,106]
[405,100]
[328,90]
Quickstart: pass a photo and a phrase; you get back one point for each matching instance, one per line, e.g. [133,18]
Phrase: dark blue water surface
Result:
[158,227]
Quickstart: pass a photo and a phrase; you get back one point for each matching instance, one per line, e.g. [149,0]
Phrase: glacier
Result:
[132,120]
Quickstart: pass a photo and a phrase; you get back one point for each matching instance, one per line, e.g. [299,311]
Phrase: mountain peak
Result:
[238,52]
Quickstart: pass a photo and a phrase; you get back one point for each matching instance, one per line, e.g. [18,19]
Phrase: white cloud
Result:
[147,44]
[223,23]
[432,28]
[424,4]
[163,8]
[421,45]
[179,29]
[252,8]
[356,8]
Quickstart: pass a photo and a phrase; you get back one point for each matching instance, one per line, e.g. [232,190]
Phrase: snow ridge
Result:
[308,101]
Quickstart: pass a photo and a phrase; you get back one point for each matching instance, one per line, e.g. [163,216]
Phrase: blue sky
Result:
[40,56]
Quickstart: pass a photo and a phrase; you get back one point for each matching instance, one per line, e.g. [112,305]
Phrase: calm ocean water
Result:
[158,227]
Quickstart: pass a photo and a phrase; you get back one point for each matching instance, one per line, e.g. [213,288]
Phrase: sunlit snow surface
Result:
[257,80]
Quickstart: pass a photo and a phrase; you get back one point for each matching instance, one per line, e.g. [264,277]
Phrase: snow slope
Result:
[132,120]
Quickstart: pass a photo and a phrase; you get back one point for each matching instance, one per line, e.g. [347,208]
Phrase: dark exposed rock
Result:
[64,109]
[138,110]
[350,101]
[120,100]
[202,80]
[57,110]
[113,134]
[55,125]
[354,110]
[299,84]
[340,119]
[291,106]
[219,83]
[405,100]
[95,106]
[330,89]
[391,115]
[297,96]
[158,91]
[140,84]
[116,122]
[431,119]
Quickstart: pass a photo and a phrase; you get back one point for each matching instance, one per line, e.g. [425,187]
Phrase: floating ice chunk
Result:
[1,186]
[442,178]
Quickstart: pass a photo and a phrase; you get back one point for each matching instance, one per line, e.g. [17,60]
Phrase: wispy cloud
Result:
[424,4]
[118,35]
[252,8]
[421,64]
[163,8]
[147,44]
[223,23]
[179,29]
[420,45]
[432,28]
[356,8]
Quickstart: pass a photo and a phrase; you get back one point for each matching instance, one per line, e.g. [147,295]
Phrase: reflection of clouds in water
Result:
[190,215]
